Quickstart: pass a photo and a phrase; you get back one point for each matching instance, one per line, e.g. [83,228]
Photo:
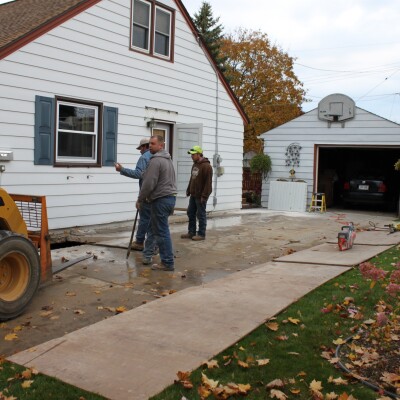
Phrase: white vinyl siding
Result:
[88,58]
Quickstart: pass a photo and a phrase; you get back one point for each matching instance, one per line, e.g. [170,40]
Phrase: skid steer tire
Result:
[19,273]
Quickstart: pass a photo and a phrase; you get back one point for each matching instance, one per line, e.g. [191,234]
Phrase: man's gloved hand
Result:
[203,200]
[137,205]
[187,194]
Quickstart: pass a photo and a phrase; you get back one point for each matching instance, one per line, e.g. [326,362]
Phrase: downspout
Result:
[215,162]
[216,159]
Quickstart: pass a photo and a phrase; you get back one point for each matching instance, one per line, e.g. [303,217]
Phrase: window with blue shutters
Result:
[74,133]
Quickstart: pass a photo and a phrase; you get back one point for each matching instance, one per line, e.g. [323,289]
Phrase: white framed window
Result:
[77,133]
[164,130]
[152,29]
[141,17]
[162,33]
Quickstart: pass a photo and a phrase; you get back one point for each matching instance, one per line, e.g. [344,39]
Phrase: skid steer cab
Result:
[25,257]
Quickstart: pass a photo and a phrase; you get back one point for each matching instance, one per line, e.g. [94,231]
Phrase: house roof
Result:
[22,21]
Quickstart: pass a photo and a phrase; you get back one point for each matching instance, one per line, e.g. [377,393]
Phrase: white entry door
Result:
[187,136]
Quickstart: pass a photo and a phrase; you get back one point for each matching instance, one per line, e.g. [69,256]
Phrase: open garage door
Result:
[359,177]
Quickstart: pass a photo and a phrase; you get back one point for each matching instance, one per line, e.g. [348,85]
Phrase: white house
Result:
[81,82]
[325,147]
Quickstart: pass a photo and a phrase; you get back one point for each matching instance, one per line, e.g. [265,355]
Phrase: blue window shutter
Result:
[110,128]
[44,130]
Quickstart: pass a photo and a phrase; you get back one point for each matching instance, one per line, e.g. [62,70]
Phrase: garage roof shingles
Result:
[21,17]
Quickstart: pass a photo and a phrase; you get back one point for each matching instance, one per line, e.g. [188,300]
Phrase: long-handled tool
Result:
[390,227]
[133,232]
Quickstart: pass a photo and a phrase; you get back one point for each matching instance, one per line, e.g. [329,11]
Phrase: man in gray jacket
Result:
[159,189]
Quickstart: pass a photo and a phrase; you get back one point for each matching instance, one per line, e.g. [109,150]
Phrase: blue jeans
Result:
[158,232]
[144,222]
[197,209]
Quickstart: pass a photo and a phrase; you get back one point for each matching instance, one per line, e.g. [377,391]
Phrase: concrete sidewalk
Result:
[137,354]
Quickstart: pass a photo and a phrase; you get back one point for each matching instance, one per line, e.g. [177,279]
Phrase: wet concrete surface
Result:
[107,283]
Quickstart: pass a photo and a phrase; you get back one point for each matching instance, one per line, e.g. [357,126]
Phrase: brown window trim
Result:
[98,164]
[151,53]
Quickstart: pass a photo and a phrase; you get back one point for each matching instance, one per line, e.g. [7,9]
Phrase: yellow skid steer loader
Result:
[25,257]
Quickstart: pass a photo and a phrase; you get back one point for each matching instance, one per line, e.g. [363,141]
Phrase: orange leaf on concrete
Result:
[10,337]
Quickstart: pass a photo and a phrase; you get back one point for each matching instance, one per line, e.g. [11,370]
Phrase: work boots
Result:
[187,236]
[137,246]
[198,237]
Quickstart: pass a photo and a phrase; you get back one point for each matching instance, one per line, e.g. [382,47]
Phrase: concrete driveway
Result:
[106,283]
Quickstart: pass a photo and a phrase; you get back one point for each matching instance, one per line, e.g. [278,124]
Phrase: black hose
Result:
[366,383]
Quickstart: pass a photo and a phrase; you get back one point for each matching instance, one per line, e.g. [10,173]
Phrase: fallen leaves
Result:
[183,379]
[273,326]
[315,389]
[10,337]
[277,394]
[211,364]
[26,384]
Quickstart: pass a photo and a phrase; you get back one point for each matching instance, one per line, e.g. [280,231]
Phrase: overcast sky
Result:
[341,46]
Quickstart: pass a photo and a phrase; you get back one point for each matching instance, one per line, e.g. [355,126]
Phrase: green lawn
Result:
[13,378]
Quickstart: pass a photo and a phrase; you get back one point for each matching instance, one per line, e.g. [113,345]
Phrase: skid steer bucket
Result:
[34,212]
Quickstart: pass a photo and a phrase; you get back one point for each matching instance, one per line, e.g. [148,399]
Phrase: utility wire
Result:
[368,70]
[386,79]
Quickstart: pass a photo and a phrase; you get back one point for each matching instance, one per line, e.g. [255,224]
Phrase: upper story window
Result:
[77,133]
[152,29]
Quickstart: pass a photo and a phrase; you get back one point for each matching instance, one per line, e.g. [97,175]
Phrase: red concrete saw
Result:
[346,237]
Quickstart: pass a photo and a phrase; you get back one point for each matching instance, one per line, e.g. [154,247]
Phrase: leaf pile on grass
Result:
[373,354]
[293,356]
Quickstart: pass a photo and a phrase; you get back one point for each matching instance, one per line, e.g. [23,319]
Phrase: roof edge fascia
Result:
[221,76]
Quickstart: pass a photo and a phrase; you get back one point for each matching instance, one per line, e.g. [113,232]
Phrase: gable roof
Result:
[22,21]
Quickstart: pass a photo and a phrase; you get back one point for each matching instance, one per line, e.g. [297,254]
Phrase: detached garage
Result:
[339,149]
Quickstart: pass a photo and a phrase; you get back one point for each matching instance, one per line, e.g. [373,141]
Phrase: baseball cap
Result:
[195,150]
[142,142]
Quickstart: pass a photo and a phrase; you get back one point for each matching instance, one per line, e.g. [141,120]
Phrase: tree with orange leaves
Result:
[262,77]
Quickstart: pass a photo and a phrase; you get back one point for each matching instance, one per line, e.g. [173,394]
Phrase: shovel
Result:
[133,232]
